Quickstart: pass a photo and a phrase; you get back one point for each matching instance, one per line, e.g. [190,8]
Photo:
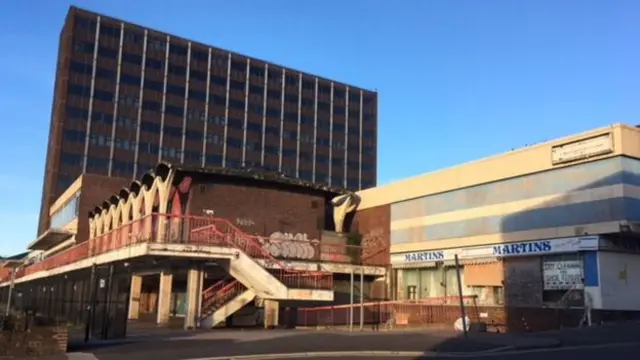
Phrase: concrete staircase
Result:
[229,297]
[274,281]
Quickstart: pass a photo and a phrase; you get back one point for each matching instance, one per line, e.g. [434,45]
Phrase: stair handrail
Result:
[252,240]
[206,293]
[222,292]
[228,288]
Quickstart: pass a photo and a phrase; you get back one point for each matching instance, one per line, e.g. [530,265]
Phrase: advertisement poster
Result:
[562,275]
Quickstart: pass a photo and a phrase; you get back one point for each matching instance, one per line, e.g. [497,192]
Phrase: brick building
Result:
[548,225]
[262,207]
[291,219]
[69,212]
[127,97]
[260,203]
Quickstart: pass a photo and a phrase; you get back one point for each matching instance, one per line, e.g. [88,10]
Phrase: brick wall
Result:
[5,272]
[503,319]
[373,225]
[36,341]
[260,210]
[95,190]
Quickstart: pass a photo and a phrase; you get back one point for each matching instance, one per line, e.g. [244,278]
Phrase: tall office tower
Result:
[127,97]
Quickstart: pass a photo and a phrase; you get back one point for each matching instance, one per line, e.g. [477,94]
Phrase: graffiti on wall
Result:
[245,222]
[373,242]
[290,245]
[209,212]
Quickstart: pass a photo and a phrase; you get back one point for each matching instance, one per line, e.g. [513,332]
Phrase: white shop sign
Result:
[561,275]
[526,248]
[582,149]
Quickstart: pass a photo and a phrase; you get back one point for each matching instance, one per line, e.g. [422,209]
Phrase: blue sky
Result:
[458,80]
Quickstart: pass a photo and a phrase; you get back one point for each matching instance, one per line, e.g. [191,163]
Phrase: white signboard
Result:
[525,248]
[582,149]
[561,275]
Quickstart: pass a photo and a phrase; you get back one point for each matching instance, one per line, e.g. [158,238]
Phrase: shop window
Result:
[487,295]
[412,292]
[67,212]
[498,295]
[450,281]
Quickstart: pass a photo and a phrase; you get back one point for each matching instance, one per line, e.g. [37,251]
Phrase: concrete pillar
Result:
[271,313]
[164,298]
[194,295]
[134,297]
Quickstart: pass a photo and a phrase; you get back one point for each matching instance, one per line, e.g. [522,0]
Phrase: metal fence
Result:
[208,231]
[384,314]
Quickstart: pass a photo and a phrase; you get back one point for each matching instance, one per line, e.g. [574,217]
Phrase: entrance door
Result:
[412,292]
[109,303]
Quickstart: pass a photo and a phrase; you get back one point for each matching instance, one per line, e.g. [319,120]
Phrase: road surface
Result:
[619,342]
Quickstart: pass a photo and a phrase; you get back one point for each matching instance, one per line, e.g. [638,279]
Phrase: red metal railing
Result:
[387,313]
[222,296]
[221,232]
[213,289]
[200,230]
[66,257]
[135,232]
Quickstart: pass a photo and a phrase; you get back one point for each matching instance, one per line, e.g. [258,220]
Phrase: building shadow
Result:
[563,231]
[593,210]
[136,334]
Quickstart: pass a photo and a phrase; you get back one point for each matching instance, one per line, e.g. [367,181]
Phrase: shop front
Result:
[532,273]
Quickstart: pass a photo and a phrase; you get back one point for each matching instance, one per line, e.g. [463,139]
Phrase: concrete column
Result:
[134,297]
[194,293]
[164,298]
[271,313]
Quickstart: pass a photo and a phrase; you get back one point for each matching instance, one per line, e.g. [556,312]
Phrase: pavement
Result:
[622,340]
[617,351]
[220,343]
[612,351]
[628,332]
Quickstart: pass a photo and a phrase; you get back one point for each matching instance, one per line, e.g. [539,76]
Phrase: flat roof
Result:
[519,162]
[10,263]
[19,256]
[257,176]
[50,238]
[14,260]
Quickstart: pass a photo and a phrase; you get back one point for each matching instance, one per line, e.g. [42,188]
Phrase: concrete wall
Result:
[512,164]
[530,207]
[518,196]
[619,281]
